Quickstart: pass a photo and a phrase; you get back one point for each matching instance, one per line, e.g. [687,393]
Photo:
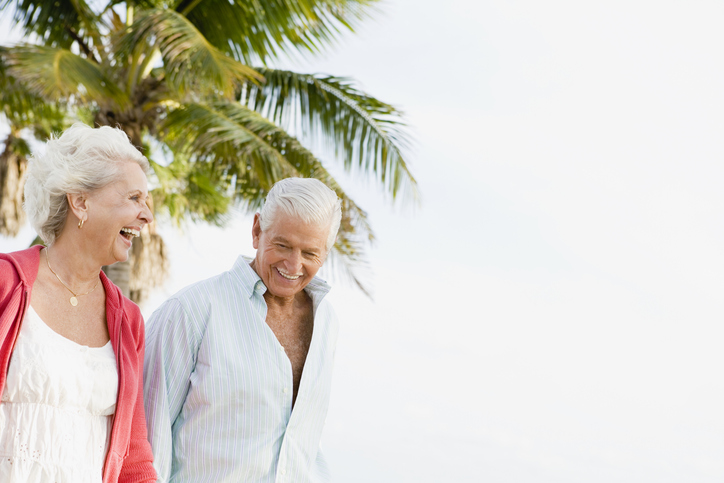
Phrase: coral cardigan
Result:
[129,457]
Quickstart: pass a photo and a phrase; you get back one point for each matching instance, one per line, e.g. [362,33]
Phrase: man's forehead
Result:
[297,231]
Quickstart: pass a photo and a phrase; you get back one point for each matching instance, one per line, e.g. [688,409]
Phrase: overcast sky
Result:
[552,312]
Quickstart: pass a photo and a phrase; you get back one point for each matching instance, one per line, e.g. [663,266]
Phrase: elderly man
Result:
[238,367]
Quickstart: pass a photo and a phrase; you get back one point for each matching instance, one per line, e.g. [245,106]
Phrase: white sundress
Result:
[57,408]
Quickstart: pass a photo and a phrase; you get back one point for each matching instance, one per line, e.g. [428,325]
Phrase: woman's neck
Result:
[72,265]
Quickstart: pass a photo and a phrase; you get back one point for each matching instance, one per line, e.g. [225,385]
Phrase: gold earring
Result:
[80,223]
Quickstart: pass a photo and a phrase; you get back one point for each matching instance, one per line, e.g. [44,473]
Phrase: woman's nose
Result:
[146,214]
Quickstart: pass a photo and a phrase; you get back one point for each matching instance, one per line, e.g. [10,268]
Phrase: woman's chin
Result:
[123,257]
[119,254]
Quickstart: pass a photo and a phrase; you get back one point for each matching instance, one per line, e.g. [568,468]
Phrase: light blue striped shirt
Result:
[218,386]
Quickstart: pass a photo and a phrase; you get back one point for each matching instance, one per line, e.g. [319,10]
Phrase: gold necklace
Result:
[74,298]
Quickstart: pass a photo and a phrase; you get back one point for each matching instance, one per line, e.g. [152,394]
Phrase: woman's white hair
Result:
[307,199]
[82,159]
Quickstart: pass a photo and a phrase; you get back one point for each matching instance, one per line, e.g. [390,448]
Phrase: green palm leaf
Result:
[23,109]
[257,30]
[366,133]
[59,73]
[191,63]
[235,139]
[190,191]
[58,22]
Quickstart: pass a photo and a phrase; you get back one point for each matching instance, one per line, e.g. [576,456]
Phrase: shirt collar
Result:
[251,282]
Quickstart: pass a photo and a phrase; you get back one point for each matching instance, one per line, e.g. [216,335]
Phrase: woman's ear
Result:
[78,204]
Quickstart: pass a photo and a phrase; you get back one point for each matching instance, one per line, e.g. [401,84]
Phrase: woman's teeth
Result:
[131,231]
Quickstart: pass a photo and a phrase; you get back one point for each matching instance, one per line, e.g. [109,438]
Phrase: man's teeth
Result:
[288,277]
[131,231]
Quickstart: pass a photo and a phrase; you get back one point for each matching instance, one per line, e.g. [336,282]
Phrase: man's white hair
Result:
[81,160]
[307,199]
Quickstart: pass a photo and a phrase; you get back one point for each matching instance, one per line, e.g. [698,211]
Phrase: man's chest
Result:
[295,336]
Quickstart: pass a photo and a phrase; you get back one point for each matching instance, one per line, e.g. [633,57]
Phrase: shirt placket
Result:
[286,394]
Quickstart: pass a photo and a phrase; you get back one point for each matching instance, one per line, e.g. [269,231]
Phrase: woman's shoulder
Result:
[20,266]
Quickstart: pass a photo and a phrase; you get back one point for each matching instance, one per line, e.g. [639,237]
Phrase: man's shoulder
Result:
[201,296]
[233,280]
[205,289]
[190,307]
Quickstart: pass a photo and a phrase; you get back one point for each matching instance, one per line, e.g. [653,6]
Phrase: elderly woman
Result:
[71,346]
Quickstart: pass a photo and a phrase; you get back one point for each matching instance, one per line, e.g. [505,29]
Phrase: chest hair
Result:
[293,329]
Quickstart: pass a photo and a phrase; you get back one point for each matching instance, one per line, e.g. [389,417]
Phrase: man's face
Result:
[289,253]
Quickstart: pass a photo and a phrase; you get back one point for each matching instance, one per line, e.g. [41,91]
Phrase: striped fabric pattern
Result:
[218,386]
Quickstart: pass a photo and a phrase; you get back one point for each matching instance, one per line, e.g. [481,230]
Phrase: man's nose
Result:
[294,262]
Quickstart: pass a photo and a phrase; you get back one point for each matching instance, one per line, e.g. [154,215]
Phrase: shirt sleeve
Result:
[172,344]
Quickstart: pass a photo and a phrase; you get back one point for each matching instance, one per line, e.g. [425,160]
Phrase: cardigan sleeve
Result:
[11,309]
[138,464]
[9,280]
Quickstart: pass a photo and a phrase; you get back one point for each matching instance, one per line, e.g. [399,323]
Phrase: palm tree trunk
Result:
[120,274]
[149,264]
[13,165]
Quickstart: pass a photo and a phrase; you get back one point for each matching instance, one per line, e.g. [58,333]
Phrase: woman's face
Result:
[116,213]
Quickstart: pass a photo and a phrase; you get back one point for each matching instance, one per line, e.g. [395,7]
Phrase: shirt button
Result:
[286,390]
[284,472]
[281,349]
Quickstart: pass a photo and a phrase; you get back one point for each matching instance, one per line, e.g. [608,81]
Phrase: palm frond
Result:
[58,23]
[190,191]
[23,109]
[367,134]
[255,31]
[236,140]
[56,74]
[348,262]
[191,63]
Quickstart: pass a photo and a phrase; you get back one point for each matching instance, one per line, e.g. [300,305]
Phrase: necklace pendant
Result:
[73,301]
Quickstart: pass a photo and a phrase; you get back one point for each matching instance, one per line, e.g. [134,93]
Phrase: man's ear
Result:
[78,204]
[256,231]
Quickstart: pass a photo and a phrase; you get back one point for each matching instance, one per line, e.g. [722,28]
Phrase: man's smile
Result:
[288,276]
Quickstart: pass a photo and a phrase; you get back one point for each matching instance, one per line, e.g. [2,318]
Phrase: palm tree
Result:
[22,111]
[178,78]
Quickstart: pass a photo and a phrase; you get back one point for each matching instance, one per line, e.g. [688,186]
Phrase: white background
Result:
[552,312]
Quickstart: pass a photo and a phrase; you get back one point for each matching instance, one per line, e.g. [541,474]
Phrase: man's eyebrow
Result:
[280,238]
